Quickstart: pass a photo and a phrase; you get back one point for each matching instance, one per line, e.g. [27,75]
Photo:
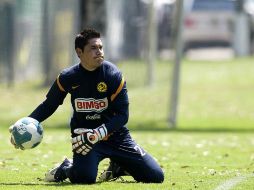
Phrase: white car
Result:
[209,23]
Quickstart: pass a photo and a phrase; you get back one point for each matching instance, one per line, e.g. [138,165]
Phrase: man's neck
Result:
[87,68]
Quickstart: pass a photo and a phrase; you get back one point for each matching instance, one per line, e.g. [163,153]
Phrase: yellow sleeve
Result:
[59,84]
[120,87]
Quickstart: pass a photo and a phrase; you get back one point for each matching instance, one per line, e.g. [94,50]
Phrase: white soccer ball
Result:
[27,133]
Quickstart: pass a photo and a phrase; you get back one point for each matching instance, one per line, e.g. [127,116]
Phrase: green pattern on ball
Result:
[39,129]
[20,139]
[35,144]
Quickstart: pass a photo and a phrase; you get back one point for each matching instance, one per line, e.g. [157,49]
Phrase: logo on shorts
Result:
[102,87]
[91,104]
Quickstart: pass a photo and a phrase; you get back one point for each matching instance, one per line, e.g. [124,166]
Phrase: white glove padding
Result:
[87,138]
[11,139]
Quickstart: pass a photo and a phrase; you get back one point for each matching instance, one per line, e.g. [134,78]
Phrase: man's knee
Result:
[80,176]
[83,180]
[156,176]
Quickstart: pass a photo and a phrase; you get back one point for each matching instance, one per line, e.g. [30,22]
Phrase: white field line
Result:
[233,182]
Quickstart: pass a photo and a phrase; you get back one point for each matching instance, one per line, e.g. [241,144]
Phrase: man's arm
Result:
[120,106]
[54,98]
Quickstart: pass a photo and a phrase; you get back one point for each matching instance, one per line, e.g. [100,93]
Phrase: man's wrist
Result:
[101,131]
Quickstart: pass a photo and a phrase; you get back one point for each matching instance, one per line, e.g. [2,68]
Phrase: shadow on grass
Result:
[163,127]
[197,130]
[33,184]
[58,184]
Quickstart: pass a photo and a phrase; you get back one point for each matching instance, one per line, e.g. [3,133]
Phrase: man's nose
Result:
[99,52]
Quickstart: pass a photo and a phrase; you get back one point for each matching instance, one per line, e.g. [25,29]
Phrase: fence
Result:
[37,36]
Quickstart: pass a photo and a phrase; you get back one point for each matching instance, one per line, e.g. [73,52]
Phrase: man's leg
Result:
[113,172]
[135,161]
[57,173]
[142,167]
[83,169]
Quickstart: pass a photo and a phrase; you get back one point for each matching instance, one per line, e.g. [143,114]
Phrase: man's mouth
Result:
[100,57]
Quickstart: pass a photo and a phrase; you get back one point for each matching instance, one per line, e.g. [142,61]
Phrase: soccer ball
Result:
[27,133]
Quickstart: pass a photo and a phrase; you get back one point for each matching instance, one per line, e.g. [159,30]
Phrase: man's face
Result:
[92,56]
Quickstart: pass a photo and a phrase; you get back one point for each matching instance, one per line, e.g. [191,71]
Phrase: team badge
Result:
[102,87]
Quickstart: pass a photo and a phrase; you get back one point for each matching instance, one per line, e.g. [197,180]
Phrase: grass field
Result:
[212,147]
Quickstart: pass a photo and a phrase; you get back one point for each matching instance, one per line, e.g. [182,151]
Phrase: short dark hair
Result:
[82,38]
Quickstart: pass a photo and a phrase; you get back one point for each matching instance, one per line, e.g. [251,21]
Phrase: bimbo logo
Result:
[91,104]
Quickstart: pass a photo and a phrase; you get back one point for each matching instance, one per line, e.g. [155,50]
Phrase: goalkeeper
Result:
[98,125]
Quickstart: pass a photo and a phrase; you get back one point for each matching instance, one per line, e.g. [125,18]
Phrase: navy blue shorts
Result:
[129,155]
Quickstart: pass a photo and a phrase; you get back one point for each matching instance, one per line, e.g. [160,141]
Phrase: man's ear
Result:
[78,51]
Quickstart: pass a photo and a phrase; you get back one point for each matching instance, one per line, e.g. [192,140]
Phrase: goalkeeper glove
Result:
[12,139]
[87,138]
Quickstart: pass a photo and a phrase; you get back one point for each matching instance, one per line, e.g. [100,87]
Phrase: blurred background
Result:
[149,40]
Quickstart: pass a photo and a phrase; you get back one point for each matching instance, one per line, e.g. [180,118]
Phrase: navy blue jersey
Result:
[97,97]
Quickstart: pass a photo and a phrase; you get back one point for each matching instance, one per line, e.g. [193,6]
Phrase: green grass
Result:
[213,142]
[196,160]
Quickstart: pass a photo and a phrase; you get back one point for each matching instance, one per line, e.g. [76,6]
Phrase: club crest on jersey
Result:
[91,104]
[102,87]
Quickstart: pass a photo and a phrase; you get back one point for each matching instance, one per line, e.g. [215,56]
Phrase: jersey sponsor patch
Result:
[93,117]
[91,104]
